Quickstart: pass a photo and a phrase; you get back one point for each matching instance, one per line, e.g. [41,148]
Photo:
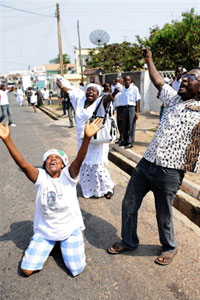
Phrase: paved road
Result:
[131,276]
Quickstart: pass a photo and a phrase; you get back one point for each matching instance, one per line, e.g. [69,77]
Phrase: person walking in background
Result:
[174,150]
[28,95]
[4,103]
[33,98]
[67,106]
[50,97]
[57,212]
[95,179]
[20,96]
[39,97]
[130,102]
[45,95]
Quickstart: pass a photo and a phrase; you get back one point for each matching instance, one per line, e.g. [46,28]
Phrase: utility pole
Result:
[59,39]
[80,57]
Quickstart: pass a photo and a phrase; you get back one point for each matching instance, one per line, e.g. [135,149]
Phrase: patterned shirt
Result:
[176,143]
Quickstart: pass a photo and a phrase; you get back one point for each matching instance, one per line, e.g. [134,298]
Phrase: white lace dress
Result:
[94,177]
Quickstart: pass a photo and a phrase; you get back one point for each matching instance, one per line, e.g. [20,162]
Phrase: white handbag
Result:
[108,133]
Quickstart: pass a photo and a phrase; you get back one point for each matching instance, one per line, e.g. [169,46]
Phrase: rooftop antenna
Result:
[99,37]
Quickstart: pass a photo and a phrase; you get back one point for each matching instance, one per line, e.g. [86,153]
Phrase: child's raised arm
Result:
[90,130]
[30,171]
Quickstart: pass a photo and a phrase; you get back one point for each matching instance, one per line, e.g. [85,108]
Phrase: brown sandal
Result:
[116,248]
[165,258]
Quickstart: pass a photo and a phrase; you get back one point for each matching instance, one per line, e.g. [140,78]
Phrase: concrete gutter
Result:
[187,186]
[49,113]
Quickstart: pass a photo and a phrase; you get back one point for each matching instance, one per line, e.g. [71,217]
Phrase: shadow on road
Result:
[20,233]
[102,234]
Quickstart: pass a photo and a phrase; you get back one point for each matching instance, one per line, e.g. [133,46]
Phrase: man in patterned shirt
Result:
[174,150]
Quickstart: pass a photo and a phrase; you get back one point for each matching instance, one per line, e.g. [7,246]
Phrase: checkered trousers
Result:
[72,249]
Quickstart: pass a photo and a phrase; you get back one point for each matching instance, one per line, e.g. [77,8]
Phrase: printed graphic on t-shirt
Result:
[51,199]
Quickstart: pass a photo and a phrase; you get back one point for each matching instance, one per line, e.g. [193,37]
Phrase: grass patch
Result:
[152,129]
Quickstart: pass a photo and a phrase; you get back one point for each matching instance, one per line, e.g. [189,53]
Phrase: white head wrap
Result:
[96,86]
[60,153]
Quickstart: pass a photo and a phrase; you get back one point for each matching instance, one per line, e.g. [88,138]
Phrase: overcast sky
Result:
[28,29]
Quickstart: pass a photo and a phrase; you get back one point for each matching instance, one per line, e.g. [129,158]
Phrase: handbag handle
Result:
[94,115]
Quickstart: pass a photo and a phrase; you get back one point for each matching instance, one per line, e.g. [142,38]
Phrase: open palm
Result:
[4,131]
[93,127]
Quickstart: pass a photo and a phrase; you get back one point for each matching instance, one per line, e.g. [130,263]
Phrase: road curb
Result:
[187,186]
[49,113]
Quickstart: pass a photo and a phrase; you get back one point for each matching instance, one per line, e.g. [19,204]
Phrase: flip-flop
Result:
[117,248]
[167,257]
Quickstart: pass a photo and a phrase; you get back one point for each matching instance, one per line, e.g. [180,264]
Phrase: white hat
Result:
[58,152]
[96,86]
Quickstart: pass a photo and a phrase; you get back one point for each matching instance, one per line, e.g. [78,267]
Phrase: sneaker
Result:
[13,125]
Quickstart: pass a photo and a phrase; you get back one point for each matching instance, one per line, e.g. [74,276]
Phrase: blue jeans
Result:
[70,115]
[6,110]
[164,183]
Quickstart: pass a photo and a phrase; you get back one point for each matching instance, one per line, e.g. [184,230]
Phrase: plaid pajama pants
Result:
[72,252]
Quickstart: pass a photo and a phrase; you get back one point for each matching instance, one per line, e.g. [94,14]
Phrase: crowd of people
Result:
[174,150]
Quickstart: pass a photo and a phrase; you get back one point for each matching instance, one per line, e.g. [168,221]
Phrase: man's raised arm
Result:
[156,78]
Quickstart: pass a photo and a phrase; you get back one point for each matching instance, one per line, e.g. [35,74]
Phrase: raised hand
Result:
[93,127]
[59,83]
[4,131]
[146,53]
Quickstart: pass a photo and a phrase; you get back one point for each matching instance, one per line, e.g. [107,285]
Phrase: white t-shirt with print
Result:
[3,97]
[57,211]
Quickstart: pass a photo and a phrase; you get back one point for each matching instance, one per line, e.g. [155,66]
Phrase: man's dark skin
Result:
[178,72]
[189,89]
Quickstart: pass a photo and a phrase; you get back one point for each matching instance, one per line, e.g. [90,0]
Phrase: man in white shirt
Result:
[5,104]
[129,100]
[20,96]
[177,81]
[45,94]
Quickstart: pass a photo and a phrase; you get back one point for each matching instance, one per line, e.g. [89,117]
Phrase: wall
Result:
[149,101]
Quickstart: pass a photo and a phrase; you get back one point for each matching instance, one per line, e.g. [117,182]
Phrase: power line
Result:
[26,11]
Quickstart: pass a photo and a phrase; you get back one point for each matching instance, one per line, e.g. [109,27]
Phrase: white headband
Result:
[96,86]
[60,153]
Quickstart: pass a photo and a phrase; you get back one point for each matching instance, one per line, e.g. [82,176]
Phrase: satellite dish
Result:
[99,37]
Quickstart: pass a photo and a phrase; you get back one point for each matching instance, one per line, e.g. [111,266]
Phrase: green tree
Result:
[115,57]
[174,44]
[66,59]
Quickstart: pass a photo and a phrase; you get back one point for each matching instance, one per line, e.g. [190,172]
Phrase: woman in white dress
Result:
[94,177]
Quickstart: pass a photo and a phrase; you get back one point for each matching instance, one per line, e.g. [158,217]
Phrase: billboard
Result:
[39,70]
